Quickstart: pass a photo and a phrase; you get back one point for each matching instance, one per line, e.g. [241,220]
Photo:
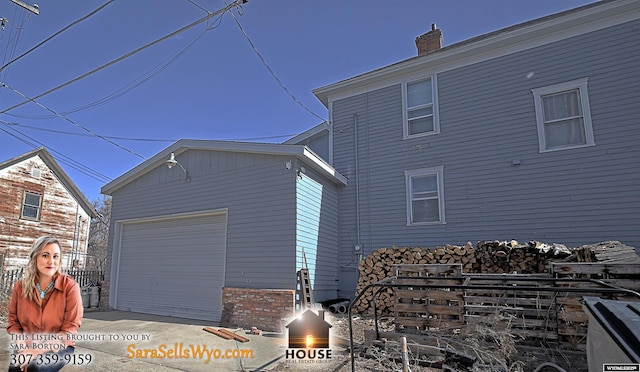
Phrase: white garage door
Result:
[173,267]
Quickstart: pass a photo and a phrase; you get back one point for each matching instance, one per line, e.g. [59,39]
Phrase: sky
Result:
[107,84]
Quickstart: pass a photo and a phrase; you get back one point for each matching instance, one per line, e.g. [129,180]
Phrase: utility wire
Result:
[122,91]
[12,43]
[129,87]
[62,158]
[73,122]
[119,59]
[86,134]
[55,34]
[32,145]
[138,139]
[198,6]
[273,74]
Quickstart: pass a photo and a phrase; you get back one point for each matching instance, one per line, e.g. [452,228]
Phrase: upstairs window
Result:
[31,206]
[421,112]
[563,116]
[425,200]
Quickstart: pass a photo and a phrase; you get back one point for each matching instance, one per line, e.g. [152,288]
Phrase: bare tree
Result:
[99,234]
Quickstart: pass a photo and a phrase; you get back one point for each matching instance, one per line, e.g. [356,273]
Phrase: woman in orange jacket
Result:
[45,311]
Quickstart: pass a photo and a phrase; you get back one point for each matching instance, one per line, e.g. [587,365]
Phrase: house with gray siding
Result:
[528,133]
[204,217]
[525,133]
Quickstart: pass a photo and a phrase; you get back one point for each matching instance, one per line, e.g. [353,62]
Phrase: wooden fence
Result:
[84,278]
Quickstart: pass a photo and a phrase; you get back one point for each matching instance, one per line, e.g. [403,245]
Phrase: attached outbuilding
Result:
[204,226]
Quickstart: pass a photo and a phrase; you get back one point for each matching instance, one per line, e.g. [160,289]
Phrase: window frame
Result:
[539,93]
[409,175]
[406,108]
[24,204]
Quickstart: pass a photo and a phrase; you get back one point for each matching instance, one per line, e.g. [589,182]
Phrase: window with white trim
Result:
[425,196]
[421,115]
[31,206]
[563,116]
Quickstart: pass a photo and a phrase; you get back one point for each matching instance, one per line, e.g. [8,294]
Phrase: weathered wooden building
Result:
[37,198]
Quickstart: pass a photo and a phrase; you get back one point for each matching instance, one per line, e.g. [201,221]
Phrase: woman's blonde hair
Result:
[31,271]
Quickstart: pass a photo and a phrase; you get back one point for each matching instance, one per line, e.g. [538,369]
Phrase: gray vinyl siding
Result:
[487,120]
[318,143]
[376,117]
[257,192]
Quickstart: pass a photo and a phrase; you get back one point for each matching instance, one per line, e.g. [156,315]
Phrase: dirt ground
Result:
[491,351]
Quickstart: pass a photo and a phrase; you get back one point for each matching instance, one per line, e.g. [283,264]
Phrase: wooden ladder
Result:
[305,292]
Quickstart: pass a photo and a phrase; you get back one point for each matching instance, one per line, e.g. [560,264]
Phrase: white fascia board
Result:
[270,149]
[503,42]
[323,166]
[211,145]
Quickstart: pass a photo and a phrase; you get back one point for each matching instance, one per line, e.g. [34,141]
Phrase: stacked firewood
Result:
[511,257]
[379,265]
[486,257]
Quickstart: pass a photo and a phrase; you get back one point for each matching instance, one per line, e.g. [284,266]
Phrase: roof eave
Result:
[252,147]
[507,40]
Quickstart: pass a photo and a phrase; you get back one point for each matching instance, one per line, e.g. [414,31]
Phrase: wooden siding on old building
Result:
[60,214]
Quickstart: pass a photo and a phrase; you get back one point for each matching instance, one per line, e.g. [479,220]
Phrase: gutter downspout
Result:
[358,247]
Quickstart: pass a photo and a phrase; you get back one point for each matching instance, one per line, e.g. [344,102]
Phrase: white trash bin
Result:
[84,292]
[94,297]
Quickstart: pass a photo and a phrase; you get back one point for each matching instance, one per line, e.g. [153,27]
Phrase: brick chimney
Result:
[429,42]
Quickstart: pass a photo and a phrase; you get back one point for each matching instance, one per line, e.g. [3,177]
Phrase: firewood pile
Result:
[486,257]
[510,257]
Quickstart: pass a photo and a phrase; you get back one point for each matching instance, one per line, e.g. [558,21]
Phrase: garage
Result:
[173,266]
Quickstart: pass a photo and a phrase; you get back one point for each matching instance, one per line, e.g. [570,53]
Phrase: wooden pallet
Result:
[537,316]
[418,309]
[573,321]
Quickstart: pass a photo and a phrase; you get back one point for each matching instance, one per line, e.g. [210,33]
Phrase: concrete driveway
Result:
[124,341]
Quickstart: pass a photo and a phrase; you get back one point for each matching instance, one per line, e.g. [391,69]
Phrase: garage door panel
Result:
[164,263]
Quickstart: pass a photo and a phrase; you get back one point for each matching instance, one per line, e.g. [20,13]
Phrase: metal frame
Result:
[390,283]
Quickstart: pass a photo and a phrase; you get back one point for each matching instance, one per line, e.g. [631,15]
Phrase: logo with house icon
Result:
[309,331]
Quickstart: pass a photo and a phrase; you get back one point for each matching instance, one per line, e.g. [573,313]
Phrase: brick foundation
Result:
[266,309]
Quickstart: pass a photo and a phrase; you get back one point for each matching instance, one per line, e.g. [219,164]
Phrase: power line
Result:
[12,42]
[197,6]
[119,59]
[85,134]
[56,34]
[273,74]
[140,139]
[122,91]
[129,87]
[62,158]
[73,122]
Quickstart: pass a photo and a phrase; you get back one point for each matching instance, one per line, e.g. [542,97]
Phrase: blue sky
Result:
[207,82]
